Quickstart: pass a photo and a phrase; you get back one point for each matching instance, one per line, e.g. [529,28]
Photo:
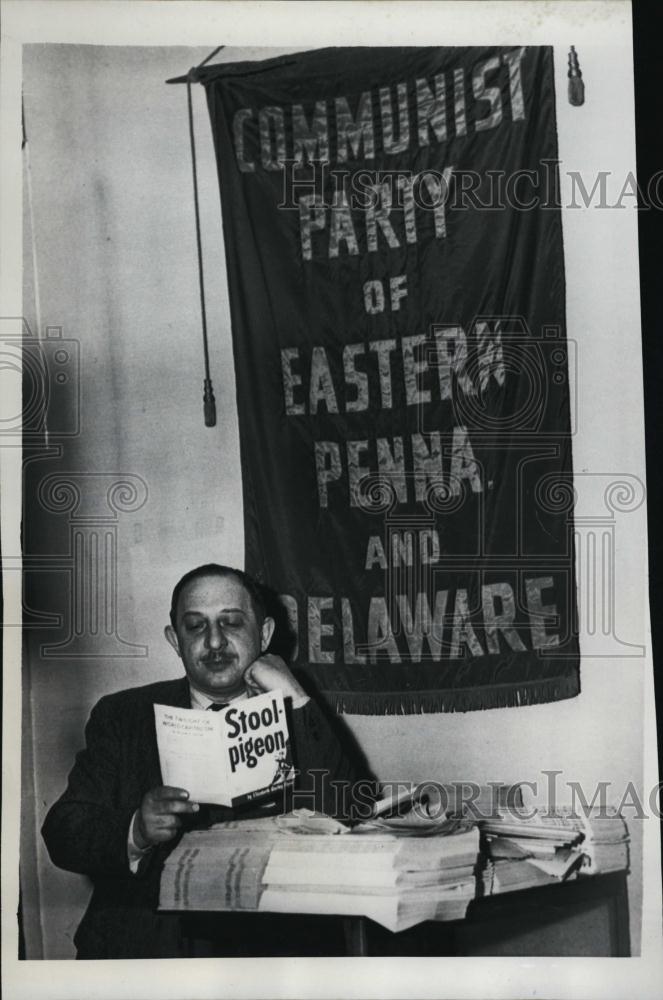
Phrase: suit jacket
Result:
[86,829]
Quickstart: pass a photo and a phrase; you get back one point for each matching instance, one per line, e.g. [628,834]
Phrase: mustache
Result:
[218,658]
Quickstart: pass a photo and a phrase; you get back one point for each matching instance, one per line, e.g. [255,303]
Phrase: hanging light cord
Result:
[209,402]
[25,146]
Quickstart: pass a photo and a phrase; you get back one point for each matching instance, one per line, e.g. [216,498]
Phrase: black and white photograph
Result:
[327,645]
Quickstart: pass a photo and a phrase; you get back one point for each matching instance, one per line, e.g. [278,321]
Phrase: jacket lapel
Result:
[181,695]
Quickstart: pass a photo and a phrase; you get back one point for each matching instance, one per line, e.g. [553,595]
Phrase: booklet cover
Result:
[227,757]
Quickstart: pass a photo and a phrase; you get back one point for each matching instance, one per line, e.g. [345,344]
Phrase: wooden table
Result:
[587,916]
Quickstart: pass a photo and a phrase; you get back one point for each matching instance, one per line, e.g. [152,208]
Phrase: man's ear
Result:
[171,636]
[267,632]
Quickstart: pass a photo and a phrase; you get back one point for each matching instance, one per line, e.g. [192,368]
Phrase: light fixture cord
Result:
[209,402]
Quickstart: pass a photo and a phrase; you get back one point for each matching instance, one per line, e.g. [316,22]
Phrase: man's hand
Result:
[158,819]
[270,672]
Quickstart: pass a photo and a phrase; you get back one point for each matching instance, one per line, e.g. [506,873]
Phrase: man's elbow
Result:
[62,840]
[54,840]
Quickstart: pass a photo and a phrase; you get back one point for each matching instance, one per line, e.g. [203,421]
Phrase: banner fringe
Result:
[450,700]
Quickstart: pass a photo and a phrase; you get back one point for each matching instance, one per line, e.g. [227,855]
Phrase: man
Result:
[116,822]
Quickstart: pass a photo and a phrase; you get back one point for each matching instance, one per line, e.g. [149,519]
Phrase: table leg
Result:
[356,936]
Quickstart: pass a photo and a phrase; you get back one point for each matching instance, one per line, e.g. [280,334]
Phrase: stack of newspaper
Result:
[395,880]
[524,849]
[605,842]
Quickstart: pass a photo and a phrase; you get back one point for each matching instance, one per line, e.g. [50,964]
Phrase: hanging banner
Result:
[395,264]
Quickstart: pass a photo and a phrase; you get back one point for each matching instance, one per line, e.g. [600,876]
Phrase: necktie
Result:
[216,706]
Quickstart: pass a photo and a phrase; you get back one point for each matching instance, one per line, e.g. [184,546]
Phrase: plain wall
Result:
[116,262]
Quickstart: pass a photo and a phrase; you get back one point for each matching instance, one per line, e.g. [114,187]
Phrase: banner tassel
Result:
[453,700]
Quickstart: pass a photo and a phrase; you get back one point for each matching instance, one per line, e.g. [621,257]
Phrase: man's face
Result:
[217,634]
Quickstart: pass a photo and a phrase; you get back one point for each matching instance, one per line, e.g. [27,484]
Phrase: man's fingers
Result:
[251,683]
[269,672]
[169,792]
[261,677]
[167,807]
[168,799]
[167,822]
[161,828]
[160,812]
[162,836]
[169,810]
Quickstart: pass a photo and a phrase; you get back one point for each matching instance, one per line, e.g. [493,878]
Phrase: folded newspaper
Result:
[431,807]
[558,843]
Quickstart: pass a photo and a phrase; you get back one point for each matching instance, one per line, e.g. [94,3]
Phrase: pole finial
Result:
[576,84]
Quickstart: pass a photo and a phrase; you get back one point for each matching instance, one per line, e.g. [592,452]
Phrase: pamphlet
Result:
[227,757]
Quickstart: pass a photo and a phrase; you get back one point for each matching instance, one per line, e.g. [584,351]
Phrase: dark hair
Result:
[251,586]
